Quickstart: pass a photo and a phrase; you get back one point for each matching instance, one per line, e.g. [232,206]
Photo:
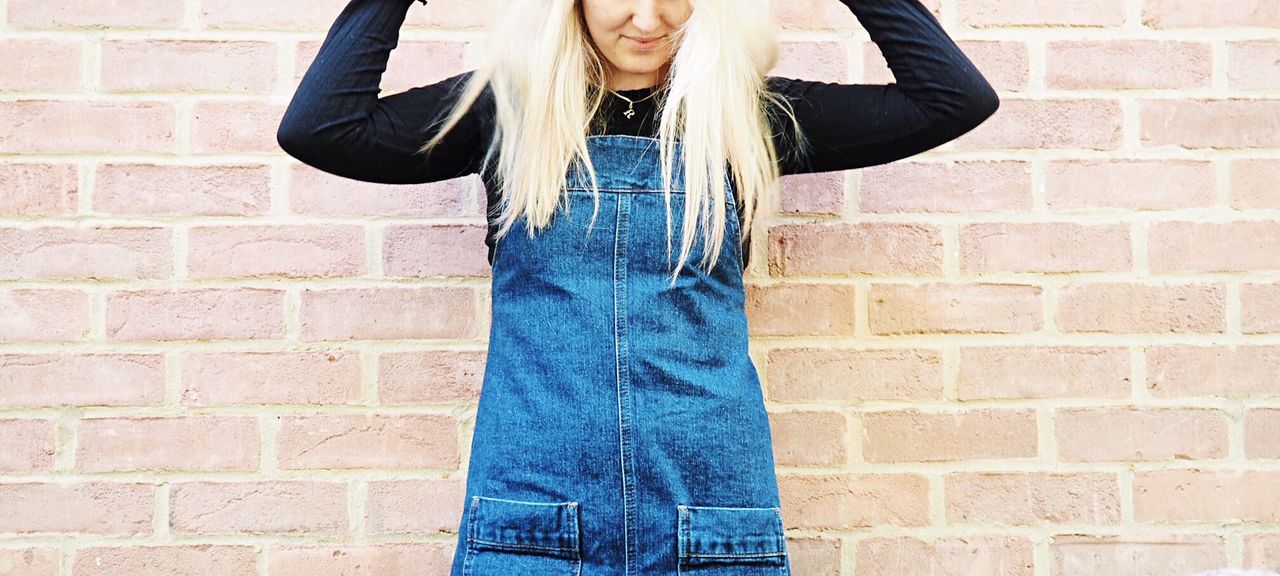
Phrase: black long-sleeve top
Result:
[336,121]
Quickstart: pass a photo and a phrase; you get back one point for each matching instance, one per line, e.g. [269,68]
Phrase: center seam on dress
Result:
[622,371]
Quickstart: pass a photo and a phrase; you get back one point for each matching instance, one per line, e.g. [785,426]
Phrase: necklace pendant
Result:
[629,113]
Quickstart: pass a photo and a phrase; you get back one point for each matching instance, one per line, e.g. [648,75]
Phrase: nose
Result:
[647,18]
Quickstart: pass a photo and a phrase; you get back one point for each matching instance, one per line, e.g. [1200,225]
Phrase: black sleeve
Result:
[337,123]
[938,96]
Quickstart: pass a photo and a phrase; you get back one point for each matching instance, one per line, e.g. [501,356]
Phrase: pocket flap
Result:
[734,534]
[515,525]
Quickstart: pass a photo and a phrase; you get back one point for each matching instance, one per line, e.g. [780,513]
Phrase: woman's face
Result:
[618,27]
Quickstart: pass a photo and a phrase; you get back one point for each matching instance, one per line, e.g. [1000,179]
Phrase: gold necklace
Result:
[631,104]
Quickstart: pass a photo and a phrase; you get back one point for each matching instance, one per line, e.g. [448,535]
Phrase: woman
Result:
[621,427]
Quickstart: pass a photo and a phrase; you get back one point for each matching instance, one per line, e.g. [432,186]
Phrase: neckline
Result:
[636,92]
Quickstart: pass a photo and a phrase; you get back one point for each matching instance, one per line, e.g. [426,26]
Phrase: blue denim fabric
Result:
[621,428]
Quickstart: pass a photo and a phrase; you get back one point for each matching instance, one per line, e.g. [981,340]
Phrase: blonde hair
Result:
[548,78]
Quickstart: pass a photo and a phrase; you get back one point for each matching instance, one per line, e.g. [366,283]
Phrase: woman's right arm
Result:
[337,123]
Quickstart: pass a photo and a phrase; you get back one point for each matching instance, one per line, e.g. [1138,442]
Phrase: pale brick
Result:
[313,15]
[195,443]
[188,65]
[159,190]
[100,508]
[1255,183]
[277,507]
[274,15]
[800,309]
[1131,184]
[1142,308]
[40,65]
[29,445]
[997,372]
[1032,498]
[34,561]
[434,250]
[319,377]
[850,376]
[1216,496]
[388,312]
[811,15]
[1197,14]
[954,308]
[1210,123]
[316,193]
[194,560]
[952,556]
[111,13]
[80,253]
[65,380]
[840,501]
[32,189]
[794,433]
[43,315]
[478,14]
[195,314]
[812,193]
[1127,64]
[426,557]
[818,555]
[326,251]
[1140,434]
[1245,371]
[430,376]
[1253,65]
[395,506]
[988,13]
[59,127]
[842,249]
[1241,246]
[1044,247]
[1090,555]
[1261,429]
[1259,308]
[962,186]
[235,126]
[1089,123]
[912,435]
[368,441]
[1261,550]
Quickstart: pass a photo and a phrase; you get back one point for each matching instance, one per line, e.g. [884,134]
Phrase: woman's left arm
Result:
[938,96]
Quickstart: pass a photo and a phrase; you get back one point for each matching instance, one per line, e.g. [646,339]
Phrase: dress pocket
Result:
[508,537]
[722,541]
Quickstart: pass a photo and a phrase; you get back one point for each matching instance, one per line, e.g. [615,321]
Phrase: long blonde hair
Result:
[547,79]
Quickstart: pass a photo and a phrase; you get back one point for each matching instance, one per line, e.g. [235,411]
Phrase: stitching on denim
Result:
[621,374]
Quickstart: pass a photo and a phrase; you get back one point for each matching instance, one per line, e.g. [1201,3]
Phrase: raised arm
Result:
[337,123]
[938,96]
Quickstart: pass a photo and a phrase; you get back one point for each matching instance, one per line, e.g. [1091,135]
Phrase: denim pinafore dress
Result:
[621,427]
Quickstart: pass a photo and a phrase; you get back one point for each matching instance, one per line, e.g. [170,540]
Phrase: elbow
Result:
[970,110]
[982,103]
[970,107]
[988,102]
[291,138]
[299,133]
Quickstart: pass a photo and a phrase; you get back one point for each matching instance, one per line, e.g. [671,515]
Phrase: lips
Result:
[646,43]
